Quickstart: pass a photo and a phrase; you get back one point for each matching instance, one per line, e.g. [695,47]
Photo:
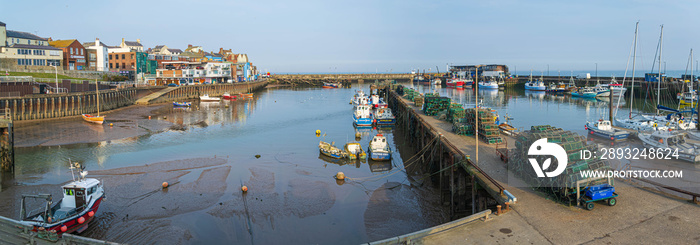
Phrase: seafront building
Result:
[23,50]
[73,53]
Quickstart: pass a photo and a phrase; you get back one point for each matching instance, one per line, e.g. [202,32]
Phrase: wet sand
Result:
[127,122]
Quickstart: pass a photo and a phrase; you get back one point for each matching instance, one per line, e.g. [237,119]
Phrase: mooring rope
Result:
[413,158]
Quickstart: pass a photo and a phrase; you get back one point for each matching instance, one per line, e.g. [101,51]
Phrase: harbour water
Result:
[210,151]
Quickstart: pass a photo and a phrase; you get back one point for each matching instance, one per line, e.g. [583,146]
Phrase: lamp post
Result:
[476,114]
[56,68]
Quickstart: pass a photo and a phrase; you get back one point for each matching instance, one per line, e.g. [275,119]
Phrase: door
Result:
[79,197]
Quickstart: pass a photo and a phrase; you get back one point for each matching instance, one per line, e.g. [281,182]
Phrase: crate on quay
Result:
[563,186]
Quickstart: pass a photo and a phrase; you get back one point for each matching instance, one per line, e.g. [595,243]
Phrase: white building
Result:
[26,50]
[101,61]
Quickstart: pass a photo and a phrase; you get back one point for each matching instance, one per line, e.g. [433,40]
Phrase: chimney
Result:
[123,44]
[138,40]
[189,45]
[50,39]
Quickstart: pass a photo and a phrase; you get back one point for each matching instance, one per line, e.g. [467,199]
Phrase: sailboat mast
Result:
[97,94]
[634,61]
[658,86]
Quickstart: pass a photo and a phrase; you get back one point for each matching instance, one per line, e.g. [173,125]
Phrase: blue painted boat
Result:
[330,150]
[182,104]
[379,149]
[383,116]
[604,129]
[585,93]
[362,116]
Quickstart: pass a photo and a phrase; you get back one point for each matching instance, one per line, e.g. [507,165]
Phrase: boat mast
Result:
[476,114]
[97,94]
[634,60]
[658,86]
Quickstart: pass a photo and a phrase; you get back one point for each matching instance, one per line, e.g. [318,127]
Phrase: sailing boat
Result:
[92,118]
[248,95]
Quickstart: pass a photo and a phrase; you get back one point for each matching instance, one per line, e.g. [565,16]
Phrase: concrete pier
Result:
[641,215]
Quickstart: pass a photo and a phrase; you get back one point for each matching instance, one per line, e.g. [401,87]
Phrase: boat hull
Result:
[72,224]
[362,121]
[182,104]
[93,119]
[615,136]
[378,156]
[386,121]
[535,88]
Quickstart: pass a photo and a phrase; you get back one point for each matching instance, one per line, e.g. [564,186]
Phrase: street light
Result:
[56,68]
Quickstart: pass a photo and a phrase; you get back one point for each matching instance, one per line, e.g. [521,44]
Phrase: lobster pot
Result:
[455,111]
[462,128]
[563,185]
[418,100]
[434,105]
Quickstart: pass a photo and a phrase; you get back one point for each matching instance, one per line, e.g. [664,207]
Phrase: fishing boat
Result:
[688,98]
[354,151]
[228,96]
[374,99]
[361,116]
[507,129]
[604,129]
[330,150]
[437,81]
[206,98]
[331,85]
[81,199]
[379,149]
[243,96]
[673,141]
[182,104]
[383,116]
[490,84]
[360,100]
[585,92]
[95,118]
[535,85]
[556,88]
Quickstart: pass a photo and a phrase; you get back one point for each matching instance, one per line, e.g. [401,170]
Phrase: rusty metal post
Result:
[498,209]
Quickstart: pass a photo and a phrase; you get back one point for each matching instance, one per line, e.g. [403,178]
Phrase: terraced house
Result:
[23,50]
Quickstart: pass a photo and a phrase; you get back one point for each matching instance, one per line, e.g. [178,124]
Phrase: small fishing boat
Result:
[81,199]
[374,99]
[182,104]
[95,118]
[331,85]
[585,92]
[206,98]
[688,98]
[248,95]
[437,81]
[507,129]
[362,116]
[330,150]
[490,84]
[383,116]
[457,83]
[673,141]
[360,100]
[355,151]
[535,86]
[228,96]
[556,88]
[604,129]
[379,149]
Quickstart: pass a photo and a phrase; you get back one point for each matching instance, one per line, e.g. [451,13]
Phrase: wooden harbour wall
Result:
[464,187]
[64,105]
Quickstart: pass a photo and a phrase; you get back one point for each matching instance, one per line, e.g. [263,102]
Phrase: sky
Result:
[367,36]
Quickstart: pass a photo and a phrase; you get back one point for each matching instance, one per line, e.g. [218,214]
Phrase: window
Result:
[71,50]
[81,52]
[132,56]
[117,65]
[123,56]
[110,65]
[93,56]
[69,192]
[110,56]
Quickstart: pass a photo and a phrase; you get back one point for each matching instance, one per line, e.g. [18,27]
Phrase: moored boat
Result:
[383,116]
[328,149]
[604,129]
[93,119]
[673,141]
[379,149]
[81,199]
[228,96]
[354,151]
[361,115]
[507,129]
[584,92]
[331,85]
[491,84]
[206,98]
[182,104]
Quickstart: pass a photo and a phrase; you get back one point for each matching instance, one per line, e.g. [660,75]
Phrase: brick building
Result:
[73,53]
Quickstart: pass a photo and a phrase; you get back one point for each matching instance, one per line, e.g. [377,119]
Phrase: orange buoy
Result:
[340,176]
[149,117]
[81,220]
[111,124]
[64,228]
[91,213]
[244,188]
[165,184]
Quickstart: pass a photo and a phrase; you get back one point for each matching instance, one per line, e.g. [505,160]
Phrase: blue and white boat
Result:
[182,104]
[374,100]
[604,129]
[360,100]
[383,116]
[330,150]
[362,116]
[535,86]
[379,149]
[491,84]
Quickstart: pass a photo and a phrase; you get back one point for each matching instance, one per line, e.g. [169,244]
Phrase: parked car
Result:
[173,85]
